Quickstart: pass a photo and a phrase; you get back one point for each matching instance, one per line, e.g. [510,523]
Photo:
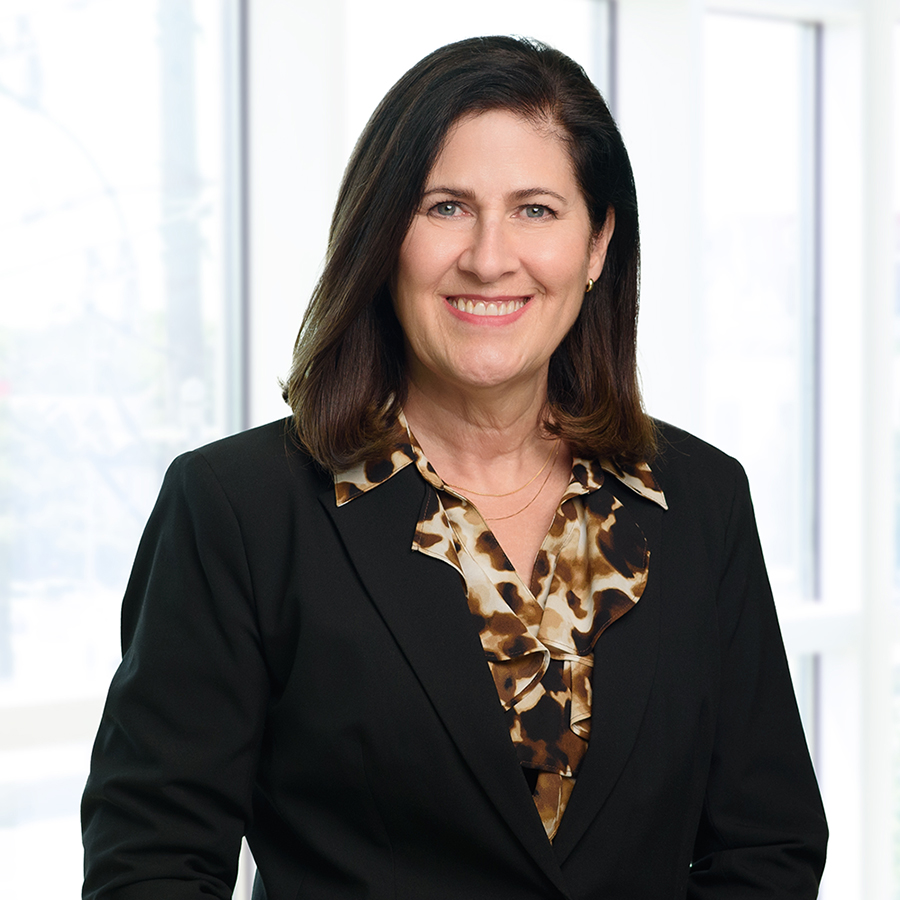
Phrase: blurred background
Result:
[168,173]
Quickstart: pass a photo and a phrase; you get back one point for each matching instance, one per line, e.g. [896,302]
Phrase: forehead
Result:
[501,144]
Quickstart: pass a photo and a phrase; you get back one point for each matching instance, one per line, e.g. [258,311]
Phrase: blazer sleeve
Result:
[169,794]
[762,832]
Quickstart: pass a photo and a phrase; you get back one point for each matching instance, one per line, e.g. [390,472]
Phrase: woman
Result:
[469,624]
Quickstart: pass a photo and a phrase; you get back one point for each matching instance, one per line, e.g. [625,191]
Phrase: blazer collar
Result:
[420,597]
[624,669]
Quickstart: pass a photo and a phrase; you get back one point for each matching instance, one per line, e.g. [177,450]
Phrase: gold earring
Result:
[590,284]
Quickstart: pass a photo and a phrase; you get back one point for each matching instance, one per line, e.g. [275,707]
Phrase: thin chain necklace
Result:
[551,455]
[538,494]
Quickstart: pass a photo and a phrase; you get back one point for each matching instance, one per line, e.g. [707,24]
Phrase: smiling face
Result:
[492,272]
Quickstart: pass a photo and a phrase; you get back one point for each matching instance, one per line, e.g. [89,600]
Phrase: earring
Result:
[590,284]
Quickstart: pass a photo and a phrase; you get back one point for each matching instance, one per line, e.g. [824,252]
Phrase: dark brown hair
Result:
[347,380]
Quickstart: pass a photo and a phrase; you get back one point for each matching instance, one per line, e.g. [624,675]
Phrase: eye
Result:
[537,212]
[447,209]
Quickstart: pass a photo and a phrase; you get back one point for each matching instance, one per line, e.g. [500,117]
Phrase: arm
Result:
[762,832]
[168,797]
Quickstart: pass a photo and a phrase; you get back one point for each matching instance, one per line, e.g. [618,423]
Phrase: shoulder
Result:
[254,466]
[271,449]
[679,451]
[683,459]
[698,479]
[272,443]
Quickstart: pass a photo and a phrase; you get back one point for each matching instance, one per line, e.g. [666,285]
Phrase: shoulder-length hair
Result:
[348,378]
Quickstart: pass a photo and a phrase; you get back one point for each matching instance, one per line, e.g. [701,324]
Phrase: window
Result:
[759,300]
[119,349]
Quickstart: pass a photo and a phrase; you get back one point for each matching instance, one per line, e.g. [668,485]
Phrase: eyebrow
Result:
[521,195]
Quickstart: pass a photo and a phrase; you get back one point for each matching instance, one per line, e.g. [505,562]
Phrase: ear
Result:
[600,244]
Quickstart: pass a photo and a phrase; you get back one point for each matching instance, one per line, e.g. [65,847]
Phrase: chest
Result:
[522,537]
[521,532]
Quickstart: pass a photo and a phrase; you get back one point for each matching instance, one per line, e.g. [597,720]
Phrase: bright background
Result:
[167,173]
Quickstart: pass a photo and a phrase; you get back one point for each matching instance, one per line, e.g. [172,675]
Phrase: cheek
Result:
[406,286]
[563,267]
[413,306]
[408,260]
[404,306]
[421,256]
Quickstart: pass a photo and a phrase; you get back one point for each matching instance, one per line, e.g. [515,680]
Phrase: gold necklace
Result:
[552,455]
[538,494]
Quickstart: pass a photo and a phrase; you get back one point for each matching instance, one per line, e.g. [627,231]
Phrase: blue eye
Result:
[535,212]
[446,209]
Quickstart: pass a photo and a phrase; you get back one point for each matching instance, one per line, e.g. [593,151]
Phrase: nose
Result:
[491,251]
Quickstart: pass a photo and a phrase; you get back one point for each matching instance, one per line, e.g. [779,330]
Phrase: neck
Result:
[489,422]
[488,441]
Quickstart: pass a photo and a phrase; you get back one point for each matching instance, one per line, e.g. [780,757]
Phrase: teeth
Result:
[486,309]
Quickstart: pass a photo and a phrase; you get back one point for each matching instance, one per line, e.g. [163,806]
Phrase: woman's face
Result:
[492,272]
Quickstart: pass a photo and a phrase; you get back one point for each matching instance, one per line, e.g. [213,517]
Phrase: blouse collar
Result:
[587,475]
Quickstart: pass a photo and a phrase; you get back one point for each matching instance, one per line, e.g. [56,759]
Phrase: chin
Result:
[488,377]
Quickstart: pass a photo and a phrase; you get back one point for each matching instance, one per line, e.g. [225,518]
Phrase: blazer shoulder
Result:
[679,449]
[694,473]
[271,440]
[263,466]
[256,460]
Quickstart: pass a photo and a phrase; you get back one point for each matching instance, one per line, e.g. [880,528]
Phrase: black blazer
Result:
[295,672]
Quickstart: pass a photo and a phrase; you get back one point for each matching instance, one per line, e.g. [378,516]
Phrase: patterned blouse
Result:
[538,636]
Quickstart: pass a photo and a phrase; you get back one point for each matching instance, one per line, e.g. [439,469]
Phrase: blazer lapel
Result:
[423,604]
[624,668]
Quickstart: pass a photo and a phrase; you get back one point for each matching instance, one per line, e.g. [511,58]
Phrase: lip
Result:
[487,310]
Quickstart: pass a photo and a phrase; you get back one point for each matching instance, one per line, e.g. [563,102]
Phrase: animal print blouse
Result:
[538,636]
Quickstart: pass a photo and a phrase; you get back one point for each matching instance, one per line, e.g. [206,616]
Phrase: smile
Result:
[486,307]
